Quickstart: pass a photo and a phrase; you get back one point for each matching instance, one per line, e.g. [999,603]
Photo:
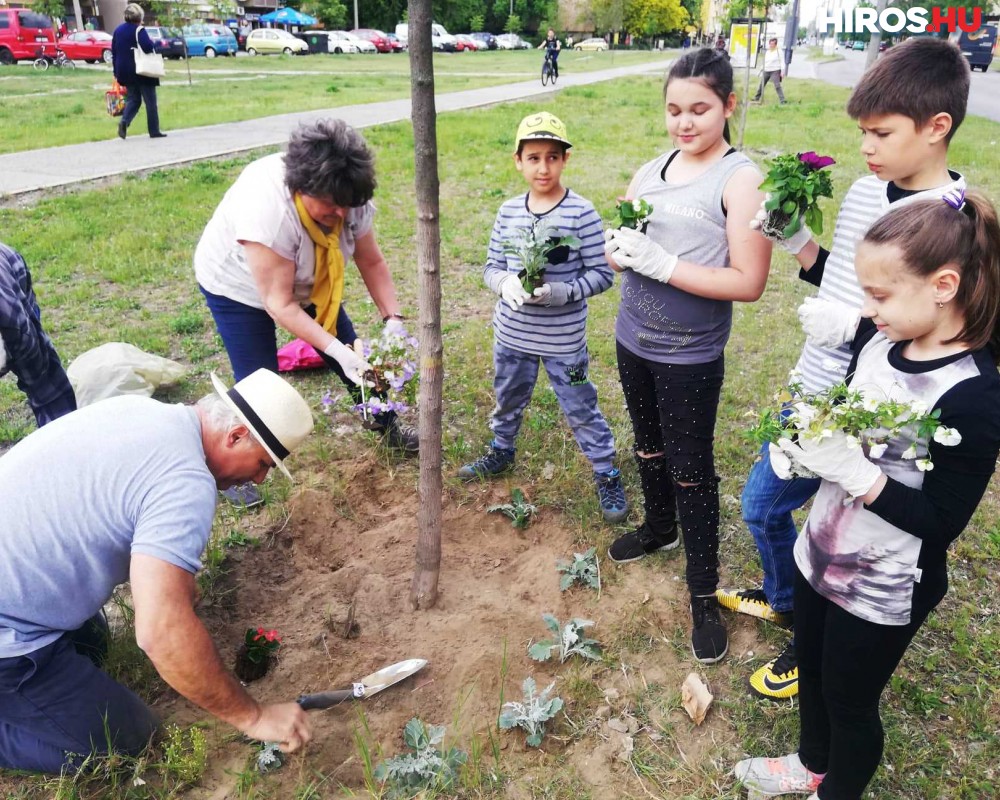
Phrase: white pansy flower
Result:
[870,404]
[919,408]
[947,436]
[925,464]
[910,452]
[877,449]
[826,433]
[853,442]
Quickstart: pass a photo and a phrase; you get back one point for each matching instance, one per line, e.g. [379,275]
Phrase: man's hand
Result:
[512,292]
[828,323]
[354,365]
[551,294]
[836,459]
[284,723]
[793,244]
[637,252]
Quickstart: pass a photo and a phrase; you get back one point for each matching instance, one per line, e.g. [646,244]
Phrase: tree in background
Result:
[477,22]
[332,13]
[650,17]
[604,15]
[513,24]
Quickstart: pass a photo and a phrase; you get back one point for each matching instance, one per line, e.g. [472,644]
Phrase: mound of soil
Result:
[354,554]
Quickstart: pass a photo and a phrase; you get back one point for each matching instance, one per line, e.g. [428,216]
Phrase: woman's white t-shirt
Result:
[259,208]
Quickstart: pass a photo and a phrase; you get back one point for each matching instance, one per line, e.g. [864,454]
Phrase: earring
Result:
[940,305]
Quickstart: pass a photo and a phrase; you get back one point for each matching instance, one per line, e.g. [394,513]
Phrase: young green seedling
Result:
[569,640]
[533,713]
[582,569]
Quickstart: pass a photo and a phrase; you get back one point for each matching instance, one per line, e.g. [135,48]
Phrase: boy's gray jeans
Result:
[516,375]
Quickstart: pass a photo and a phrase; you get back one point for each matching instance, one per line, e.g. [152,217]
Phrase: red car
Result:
[92,46]
[377,38]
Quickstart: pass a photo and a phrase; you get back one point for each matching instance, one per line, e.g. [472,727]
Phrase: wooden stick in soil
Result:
[424,587]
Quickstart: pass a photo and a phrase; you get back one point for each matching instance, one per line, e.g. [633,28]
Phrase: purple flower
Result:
[326,400]
[814,161]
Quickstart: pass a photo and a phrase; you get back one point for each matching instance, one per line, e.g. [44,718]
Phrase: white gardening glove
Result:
[350,361]
[551,294]
[637,252]
[835,459]
[793,244]
[828,323]
[513,292]
[395,326]
[3,354]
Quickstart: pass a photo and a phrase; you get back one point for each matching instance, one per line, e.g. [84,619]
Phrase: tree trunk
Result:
[746,76]
[876,38]
[424,588]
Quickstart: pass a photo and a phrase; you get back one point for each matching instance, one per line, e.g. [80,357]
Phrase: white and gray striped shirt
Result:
[866,201]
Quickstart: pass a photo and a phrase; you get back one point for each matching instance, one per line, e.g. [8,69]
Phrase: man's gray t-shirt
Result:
[660,322]
[80,496]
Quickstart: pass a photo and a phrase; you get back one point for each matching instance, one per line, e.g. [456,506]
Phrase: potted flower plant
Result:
[632,214]
[531,246]
[256,654]
[392,380]
[867,420]
[794,185]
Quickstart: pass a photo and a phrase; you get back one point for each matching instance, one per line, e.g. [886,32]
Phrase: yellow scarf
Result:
[328,282]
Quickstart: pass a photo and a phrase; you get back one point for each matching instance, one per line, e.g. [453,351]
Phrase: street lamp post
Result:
[355,14]
[791,34]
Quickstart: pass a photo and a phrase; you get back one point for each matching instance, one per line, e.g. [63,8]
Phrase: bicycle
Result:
[549,74]
[60,61]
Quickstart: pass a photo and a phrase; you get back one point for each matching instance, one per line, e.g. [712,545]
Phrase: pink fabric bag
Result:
[298,355]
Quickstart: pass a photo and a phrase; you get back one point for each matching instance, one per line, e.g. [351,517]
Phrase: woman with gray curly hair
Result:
[140,89]
[274,254]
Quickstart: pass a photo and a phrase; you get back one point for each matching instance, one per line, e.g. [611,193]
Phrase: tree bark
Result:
[424,587]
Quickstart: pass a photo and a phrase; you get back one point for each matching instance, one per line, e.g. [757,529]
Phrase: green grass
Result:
[101,275]
[61,107]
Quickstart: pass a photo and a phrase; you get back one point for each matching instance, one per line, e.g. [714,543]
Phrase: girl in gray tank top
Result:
[679,281]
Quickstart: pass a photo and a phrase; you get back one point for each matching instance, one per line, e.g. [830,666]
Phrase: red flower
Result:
[814,161]
[272,636]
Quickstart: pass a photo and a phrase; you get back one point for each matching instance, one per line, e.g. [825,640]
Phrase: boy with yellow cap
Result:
[548,325]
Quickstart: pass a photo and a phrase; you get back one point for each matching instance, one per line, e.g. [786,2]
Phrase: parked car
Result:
[511,41]
[860,44]
[595,44]
[341,42]
[363,45]
[376,37]
[978,46]
[24,34]
[398,46]
[467,42]
[488,38]
[166,41]
[90,46]
[209,40]
[274,40]
[441,40]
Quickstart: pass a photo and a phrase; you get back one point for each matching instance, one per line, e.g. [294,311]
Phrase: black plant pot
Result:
[530,284]
[248,670]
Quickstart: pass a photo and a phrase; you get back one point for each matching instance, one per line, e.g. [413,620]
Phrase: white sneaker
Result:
[773,777]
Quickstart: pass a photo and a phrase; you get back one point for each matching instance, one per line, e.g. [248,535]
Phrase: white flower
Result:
[804,413]
[925,464]
[877,449]
[826,433]
[870,404]
[919,408]
[794,375]
[910,452]
[949,437]
[852,442]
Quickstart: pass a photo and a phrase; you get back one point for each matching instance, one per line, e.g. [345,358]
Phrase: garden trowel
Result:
[366,687]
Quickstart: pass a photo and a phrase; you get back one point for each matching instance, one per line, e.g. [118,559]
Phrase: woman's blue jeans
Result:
[768,503]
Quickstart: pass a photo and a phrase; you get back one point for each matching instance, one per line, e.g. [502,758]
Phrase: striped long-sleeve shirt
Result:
[547,330]
[866,201]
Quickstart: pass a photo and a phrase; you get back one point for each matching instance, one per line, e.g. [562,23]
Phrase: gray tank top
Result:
[655,320]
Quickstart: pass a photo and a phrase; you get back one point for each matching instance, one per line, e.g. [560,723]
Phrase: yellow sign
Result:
[738,45]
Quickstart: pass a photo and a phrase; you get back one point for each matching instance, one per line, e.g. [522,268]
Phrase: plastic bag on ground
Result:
[297,355]
[118,368]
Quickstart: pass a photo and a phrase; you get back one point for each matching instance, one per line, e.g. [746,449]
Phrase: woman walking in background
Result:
[140,88]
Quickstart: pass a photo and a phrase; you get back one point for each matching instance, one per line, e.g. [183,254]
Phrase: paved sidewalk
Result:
[35,170]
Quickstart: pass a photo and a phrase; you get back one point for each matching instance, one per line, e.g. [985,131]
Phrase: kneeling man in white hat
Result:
[125,490]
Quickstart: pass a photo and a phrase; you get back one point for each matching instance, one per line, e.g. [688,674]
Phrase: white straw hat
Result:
[274,412]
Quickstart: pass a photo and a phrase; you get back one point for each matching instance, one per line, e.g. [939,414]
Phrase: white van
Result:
[440,38]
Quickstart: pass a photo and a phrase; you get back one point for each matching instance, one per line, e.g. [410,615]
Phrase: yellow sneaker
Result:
[777,679]
[752,602]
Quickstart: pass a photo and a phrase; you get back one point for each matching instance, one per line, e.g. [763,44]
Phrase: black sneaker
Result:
[243,494]
[641,542]
[709,641]
[778,679]
[611,494]
[496,461]
[401,437]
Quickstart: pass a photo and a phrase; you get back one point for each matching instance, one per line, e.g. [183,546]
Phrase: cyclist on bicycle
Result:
[552,48]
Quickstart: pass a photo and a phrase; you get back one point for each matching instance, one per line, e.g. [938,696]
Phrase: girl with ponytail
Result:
[872,557]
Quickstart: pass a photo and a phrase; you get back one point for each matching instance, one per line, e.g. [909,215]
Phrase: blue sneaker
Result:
[496,461]
[611,494]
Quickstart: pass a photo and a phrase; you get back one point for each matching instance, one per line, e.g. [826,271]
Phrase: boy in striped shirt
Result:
[908,106]
[550,324]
